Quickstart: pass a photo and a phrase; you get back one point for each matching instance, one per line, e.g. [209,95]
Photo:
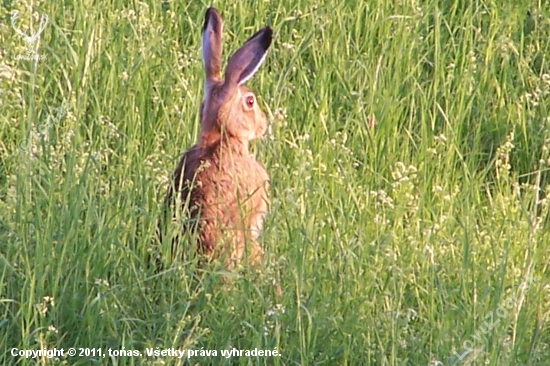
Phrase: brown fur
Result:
[220,185]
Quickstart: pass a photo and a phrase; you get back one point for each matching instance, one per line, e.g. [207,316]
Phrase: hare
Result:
[223,190]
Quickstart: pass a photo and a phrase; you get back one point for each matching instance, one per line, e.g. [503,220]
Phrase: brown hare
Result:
[221,188]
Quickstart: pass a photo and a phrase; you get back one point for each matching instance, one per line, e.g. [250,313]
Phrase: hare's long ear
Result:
[247,60]
[212,44]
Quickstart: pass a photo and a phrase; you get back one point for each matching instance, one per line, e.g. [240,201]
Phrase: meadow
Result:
[409,162]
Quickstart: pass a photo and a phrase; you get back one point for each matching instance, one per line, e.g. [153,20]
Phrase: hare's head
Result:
[229,107]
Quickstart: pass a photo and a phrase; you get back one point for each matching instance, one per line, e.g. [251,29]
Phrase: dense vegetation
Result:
[409,160]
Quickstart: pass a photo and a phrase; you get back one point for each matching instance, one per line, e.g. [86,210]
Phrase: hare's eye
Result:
[250,101]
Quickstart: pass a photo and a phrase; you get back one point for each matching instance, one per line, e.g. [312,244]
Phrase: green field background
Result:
[408,153]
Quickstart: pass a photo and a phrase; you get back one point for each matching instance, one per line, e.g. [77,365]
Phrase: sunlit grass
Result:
[408,157]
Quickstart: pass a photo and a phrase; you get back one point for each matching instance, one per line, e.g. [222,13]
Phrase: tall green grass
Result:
[409,168]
